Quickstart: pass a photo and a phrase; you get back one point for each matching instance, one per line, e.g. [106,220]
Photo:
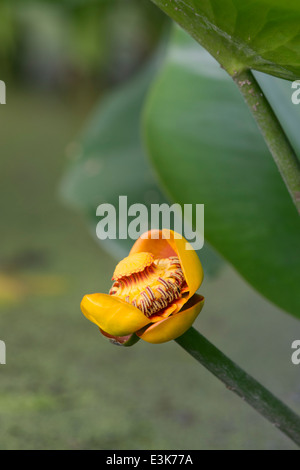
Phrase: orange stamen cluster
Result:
[148,284]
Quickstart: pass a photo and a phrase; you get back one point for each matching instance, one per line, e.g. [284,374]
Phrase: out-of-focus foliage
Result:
[206,147]
[58,43]
[7,35]
[109,160]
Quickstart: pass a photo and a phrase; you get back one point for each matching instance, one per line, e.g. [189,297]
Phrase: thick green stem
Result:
[241,383]
[271,129]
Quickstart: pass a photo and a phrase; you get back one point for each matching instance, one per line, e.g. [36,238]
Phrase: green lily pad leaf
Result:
[262,35]
[206,148]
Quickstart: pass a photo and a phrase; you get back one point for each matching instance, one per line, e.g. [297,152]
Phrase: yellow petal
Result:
[165,243]
[175,325]
[190,263]
[153,242]
[114,316]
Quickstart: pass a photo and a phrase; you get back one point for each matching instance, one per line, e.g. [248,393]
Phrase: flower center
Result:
[148,284]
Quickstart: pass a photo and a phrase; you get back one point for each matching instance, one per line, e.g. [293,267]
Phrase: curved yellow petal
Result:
[165,243]
[153,242]
[175,325]
[114,316]
[190,263]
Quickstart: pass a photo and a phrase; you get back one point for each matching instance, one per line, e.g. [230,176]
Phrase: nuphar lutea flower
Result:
[153,295]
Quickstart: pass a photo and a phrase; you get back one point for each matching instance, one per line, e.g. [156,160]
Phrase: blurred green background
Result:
[64,386]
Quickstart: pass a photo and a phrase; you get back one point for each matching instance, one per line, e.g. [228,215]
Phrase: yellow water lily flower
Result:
[153,296]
